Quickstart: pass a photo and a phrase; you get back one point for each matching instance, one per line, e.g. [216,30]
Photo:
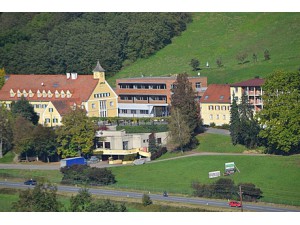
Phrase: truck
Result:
[73,161]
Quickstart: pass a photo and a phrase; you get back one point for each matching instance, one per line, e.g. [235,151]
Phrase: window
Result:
[224,117]
[107,145]
[158,140]
[47,120]
[223,107]
[211,107]
[211,116]
[221,97]
[93,106]
[144,111]
[50,109]
[111,104]
[217,107]
[55,120]
[124,111]
[236,89]
[206,97]
[198,84]
[218,117]
[133,111]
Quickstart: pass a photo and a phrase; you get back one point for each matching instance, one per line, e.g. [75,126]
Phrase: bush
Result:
[79,174]
[250,193]
[130,157]
[146,200]
[159,153]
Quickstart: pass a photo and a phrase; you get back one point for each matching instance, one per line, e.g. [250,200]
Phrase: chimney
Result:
[68,75]
[73,76]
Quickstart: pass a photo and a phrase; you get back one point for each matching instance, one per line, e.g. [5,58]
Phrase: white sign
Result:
[214,174]
[229,165]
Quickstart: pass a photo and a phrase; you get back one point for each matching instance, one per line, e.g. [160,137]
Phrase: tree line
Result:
[56,43]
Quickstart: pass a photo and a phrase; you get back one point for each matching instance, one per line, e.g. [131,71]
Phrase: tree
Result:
[146,200]
[81,201]
[184,99]
[241,57]
[76,135]
[23,137]
[2,77]
[279,118]
[179,131]
[152,143]
[40,199]
[254,57]
[195,64]
[6,132]
[44,142]
[234,127]
[23,108]
[267,54]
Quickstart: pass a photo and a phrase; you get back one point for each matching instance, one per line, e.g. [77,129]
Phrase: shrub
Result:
[159,153]
[146,200]
[250,193]
[130,157]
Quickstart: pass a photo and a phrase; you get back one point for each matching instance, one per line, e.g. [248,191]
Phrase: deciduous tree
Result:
[6,132]
[76,135]
[23,108]
[280,116]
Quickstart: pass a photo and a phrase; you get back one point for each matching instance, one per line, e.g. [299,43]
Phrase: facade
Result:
[116,144]
[215,105]
[253,89]
[150,96]
[53,95]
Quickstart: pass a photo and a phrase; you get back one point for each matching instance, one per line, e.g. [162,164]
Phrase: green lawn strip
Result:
[225,35]
[278,177]
[52,176]
[217,143]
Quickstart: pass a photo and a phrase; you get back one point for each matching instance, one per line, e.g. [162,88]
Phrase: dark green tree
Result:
[279,118]
[2,77]
[44,142]
[6,132]
[152,143]
[184,99]
[81,201]
[235,123]
[23,108]
[146,200]
[40,199]
[195,64]
[76,135]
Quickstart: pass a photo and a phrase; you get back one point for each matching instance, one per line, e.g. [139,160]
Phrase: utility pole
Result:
[241,197]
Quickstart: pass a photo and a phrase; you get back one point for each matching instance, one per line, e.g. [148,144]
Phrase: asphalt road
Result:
[138,195]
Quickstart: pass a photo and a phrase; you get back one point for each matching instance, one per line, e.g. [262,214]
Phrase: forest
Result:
[56,43]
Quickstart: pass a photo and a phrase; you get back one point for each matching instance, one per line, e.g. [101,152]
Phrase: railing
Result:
[141,151]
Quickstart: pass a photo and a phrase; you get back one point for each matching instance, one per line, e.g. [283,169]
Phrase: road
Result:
[138,195]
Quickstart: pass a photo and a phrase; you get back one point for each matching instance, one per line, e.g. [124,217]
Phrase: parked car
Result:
[93,159]
[235,204]
[30,182]
[165,194]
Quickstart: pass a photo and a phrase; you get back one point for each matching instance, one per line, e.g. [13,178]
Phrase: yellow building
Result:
[53,95]
[215,105]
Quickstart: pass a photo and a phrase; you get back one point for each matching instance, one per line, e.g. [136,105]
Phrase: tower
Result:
[99,72]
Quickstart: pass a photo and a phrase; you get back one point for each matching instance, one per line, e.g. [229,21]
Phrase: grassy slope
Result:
[277,176]
[213,35]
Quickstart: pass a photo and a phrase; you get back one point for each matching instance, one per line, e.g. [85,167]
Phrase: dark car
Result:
[235,204]
[30,182]
[165,194]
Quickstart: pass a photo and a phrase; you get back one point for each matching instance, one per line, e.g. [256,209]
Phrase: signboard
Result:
[229,166]
[214,174]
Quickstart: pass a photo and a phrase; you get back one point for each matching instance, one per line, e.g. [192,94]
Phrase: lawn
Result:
[277,176]
[224,35]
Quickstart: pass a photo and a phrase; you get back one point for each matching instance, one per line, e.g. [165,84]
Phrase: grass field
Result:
[214,35]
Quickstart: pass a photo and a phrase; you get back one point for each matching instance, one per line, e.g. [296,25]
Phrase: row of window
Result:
[48,120]
[133,111]
[211,117]
[142,86]
[144,97]
[43,94]
[217,107]
[101,95]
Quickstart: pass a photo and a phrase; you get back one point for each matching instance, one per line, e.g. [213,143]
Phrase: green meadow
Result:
[224,35]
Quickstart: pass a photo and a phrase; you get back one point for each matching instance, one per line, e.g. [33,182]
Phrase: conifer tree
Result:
[234,122]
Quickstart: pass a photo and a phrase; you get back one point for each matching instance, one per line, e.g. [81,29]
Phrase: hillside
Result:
[214,35]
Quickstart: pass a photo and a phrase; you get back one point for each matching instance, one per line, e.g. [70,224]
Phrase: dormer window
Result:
[39,94]
[221,97]
[11,93]
[62,94]
[30,94]
[206,97]
[57,94]
[25,93]
[44,94]
[18,93]
[69,94]
[50,94]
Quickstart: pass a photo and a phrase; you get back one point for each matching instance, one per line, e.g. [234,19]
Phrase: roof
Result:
[63,107]
[256,82]
[98,68]
[80,88]
[216,93]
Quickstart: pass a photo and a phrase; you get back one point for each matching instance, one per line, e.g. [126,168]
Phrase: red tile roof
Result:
[256,82]
[214,93]
[80,88]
